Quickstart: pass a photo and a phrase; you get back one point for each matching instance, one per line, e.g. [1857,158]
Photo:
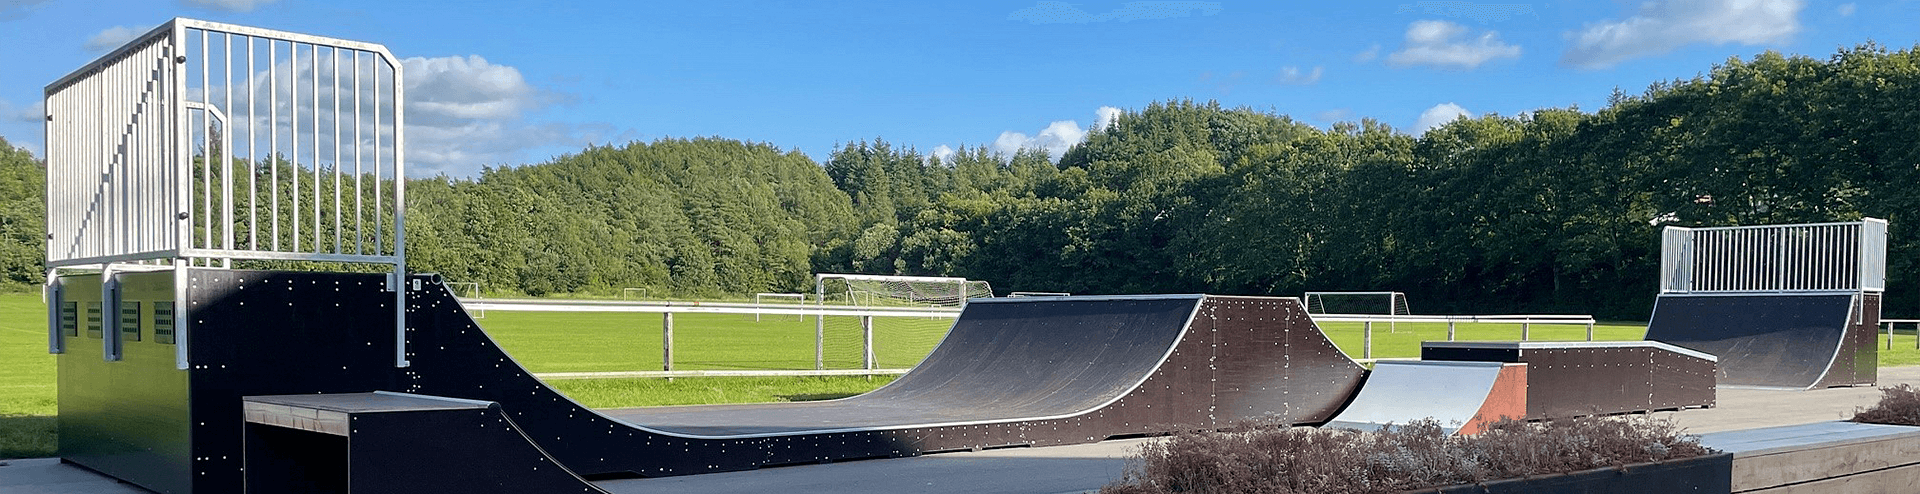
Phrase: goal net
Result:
[897,342]
[1369,303]
[897,291]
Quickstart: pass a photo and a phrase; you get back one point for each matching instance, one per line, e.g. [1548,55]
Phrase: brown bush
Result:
[1262,459]
[1899,405]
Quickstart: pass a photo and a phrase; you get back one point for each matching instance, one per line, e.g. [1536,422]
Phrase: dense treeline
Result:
[1552,210]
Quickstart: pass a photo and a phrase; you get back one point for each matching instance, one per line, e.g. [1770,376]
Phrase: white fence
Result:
[1816,257]
[200,143]
[1526,322]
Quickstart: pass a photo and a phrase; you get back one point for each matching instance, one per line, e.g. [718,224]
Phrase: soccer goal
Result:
[1038,294]
[760,300]
[1371,303]
[868,290]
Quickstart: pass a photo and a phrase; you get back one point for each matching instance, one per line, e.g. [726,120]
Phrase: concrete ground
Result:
[1060,469]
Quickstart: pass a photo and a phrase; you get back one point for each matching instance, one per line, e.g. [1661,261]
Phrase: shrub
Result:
[1265,459]
[1899,405]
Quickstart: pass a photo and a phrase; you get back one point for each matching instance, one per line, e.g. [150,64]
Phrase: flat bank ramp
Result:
[1775,340]
[1464,397]
[1011,372]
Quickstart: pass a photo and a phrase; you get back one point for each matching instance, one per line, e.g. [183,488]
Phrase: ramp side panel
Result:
[1761,340]
[1507,400]
[1588,381]
[1273,363]
[1858,360]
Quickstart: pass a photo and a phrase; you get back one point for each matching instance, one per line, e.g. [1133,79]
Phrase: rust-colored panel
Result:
[1507,400]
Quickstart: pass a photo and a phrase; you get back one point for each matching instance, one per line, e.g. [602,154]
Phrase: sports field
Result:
[589,342]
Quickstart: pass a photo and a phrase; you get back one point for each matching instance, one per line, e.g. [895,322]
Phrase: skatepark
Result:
[386,382]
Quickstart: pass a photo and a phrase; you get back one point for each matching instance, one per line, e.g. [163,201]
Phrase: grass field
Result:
[585,342]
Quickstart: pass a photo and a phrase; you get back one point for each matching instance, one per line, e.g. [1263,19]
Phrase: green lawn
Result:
[26,378]
[1402,340]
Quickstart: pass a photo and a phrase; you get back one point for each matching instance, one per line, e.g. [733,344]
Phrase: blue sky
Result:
[520,82]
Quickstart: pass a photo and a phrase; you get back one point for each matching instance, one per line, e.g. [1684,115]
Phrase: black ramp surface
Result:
[1016,372]
[1761,340]
[1002,361]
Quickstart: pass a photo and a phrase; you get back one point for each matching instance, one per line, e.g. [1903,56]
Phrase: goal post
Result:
[760,300]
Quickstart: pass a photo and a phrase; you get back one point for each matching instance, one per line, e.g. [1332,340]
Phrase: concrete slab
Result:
[50,476]
[1750,408]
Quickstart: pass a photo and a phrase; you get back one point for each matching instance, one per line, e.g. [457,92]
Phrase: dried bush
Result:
[1264,459]
[1899,405]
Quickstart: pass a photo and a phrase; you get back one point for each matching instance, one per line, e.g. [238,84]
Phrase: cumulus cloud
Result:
[1437,116]
[944,153]
[466,112]
[1066,13]
[1846,9]
[1054,140]
[227,5]
[111,38]
[1664,25]
[1293,75]
[1105,116]
[1446,45]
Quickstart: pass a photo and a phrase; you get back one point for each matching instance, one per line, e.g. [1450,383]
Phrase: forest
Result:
[1554,210]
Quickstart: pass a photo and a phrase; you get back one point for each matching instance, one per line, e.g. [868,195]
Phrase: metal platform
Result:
[1577,378]
[1464,397]
[1776,340]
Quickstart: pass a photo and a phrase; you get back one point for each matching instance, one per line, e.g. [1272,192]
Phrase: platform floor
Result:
[1060,469]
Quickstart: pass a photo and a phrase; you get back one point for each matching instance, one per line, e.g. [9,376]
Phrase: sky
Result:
[517,83]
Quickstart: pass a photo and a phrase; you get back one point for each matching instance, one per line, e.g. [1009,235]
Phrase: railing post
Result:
[1526,331]
[866,330]
[1366,350]
[820,341]
[1450,328]
[1589,331]
[666,341]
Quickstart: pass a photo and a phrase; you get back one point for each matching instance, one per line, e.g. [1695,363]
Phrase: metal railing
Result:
[1814,257]
[202,143]
[1526,322]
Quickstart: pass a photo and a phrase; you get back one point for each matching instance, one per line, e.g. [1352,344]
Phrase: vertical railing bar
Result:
[226,150]
[206,141]
[360,235]
[293,85]
[253,154]
[316,148]
[379,234]
[336,150]
[273,138]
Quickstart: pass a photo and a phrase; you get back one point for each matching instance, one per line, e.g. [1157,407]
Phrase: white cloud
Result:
[34,113]
[944,153]
[1446,45]
[1066,13]
[1664,25]
[227,5]
[1054,140]
[1371,53]
[1847,9]
[1293,75]
[466,112]
[1437,116]
[1105,117]
[111,38]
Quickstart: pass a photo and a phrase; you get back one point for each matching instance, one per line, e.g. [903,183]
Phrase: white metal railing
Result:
[1813,257]
[668,309]
[200,143]
[1526,322]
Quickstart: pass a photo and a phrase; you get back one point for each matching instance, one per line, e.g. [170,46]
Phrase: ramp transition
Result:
[1464,397]
[1776,340]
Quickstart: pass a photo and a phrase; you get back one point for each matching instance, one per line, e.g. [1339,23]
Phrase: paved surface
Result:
[1061,469]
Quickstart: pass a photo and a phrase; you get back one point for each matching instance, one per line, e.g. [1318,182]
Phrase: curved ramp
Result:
[1775,340]
[1011,372]
[1465,397]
